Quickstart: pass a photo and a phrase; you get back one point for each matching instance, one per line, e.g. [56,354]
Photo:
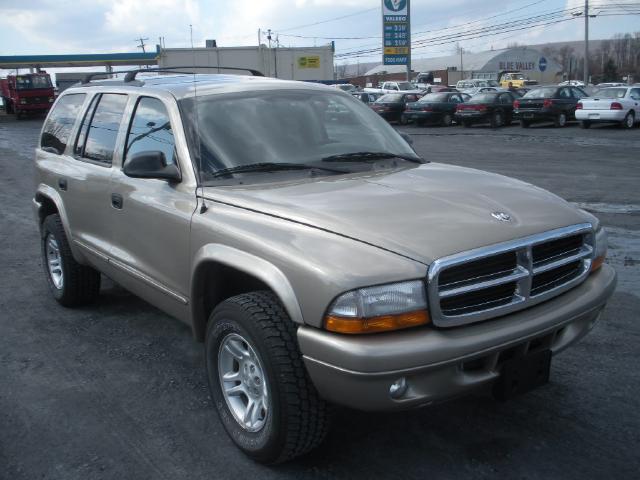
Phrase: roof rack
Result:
[131,74]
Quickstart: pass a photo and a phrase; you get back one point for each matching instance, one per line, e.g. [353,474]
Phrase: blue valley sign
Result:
[395,32]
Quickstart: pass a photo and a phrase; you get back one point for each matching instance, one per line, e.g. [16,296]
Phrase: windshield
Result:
[541,93]
[29,82]
[391,97]
[483,98]
[283,126]
[346,88]
[516,76]
[434,97]
[405,86]
[611,93]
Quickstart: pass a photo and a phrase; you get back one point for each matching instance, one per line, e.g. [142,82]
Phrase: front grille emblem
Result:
[501,216]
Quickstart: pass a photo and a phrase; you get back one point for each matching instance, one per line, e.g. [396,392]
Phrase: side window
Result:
[635,93]
[97,138]
[564,93]
[577,93]
[455,99]
[506,99]
[57,129]
[150,130]
[410,98]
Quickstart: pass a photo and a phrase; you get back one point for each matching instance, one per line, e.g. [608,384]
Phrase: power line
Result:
[326,21]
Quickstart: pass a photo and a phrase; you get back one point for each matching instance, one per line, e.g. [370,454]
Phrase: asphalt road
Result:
[118,391]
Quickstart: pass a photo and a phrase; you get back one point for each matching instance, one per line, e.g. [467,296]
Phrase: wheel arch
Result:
[221,272]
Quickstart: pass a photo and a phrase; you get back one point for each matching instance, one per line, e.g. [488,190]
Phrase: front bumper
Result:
[601,115]
[439,364]
[33,107]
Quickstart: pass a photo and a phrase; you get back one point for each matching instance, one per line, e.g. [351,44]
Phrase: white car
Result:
[618,105]
[571,83]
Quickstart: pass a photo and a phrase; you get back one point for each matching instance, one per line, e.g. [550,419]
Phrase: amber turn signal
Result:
[384,323]
[597,263]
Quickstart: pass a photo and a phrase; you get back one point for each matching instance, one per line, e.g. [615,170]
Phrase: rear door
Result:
[84,182]
[151,217]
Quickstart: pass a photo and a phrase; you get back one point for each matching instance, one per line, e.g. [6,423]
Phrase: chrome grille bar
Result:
[522,276]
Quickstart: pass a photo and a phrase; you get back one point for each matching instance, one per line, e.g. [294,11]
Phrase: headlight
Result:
[51,99]
[599,249]
[379,309]
[23,101]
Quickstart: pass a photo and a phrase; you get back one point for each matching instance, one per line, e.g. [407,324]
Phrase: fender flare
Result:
[252,265]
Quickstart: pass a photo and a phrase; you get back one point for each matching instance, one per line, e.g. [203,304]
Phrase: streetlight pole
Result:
[586,42]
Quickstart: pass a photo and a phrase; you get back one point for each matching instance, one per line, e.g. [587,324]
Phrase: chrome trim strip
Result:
[517,274]
[134,272]
[522,297]
[585,251]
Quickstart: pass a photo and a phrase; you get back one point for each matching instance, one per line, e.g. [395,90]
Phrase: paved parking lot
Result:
[118,390]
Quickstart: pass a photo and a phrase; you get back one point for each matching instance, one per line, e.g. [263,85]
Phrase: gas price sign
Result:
[395,32]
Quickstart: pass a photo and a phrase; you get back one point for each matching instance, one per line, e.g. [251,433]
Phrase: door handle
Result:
[117,201]
[62,184]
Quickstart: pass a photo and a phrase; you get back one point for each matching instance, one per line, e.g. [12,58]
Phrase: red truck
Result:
[28,93]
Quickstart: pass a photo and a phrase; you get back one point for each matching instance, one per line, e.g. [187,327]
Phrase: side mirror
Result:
[151,165]
[407,137]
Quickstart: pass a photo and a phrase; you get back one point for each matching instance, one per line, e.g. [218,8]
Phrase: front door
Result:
[151,218]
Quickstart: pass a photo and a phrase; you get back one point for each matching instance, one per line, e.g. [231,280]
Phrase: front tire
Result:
[497,120]
[70,283]
[585,124]
[447,120]
[629,121]
[403,120]
[252,356]
[525,123]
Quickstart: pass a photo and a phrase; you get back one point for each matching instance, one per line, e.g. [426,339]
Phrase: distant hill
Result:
[357,69]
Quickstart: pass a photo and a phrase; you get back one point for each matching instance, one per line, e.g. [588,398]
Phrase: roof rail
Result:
[131,74]
[87,78]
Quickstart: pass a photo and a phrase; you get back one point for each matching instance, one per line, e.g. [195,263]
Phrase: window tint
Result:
[150,130]
[635,93]
[58,126]
[82,133]
[506,98]
[455,99]
[564,93]
[103,128]
[577,93]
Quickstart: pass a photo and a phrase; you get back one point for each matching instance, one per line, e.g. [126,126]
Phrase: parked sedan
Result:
[614,105]
[391,106]
[434,108]
[366,97]
[555,104]
[495,108]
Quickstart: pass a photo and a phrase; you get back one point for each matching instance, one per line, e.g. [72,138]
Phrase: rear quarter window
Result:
[57,129]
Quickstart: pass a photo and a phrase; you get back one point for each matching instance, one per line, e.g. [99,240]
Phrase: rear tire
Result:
[466,123]
[525,123]
[71,284]
[447,120]
[292,419]
[629,121]
[403,120]
[497,120]
[560,120]
[585,124]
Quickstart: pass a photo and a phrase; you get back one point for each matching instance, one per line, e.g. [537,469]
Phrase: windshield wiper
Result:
[368,156]
[271,167]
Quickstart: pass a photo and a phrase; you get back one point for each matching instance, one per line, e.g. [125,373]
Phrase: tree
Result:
[610,72]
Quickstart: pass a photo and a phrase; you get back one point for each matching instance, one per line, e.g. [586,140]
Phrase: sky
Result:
[101,26]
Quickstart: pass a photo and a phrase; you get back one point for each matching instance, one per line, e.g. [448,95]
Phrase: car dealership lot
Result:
[117,390]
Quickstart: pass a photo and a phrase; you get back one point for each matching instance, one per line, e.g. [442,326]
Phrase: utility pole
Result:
[409,40]
[269,37]
[142,44]
[586,42]
[461,64]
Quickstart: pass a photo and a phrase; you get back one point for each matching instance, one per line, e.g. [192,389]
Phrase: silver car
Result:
[317,256]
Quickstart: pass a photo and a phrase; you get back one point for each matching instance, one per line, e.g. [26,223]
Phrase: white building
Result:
[489,64]
[309,63]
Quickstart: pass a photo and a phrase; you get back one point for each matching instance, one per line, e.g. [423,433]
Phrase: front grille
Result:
[36,100]
[500,279]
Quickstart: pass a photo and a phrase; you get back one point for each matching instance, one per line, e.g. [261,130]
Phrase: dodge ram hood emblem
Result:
[503,217]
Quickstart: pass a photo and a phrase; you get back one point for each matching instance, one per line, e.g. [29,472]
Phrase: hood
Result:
[423,213]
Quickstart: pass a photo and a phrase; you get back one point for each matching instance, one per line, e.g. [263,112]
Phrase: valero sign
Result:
[395,32]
